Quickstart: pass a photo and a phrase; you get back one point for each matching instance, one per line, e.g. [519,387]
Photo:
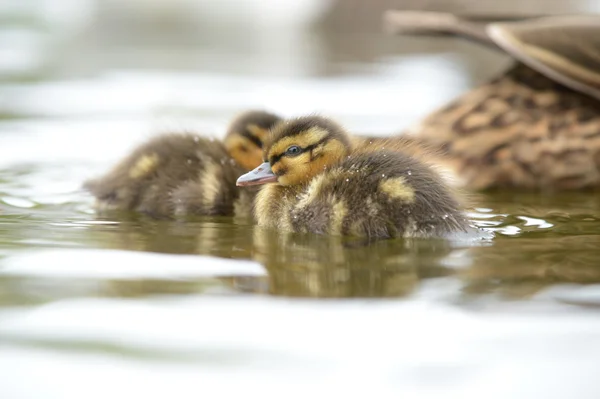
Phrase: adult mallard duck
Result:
[319,183]
[537,126]
[186,174]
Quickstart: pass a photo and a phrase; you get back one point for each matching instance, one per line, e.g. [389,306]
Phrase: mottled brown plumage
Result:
[537,126]
[324,186]
[185,174]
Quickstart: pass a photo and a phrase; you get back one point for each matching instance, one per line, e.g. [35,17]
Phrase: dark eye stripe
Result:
[255,140]
[275,158]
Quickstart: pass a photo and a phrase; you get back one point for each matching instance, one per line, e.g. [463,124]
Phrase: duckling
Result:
[417,147]
[320,184]
[185,174]
[537,125]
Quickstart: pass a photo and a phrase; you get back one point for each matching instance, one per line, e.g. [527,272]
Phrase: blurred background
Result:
[85,42]
[122,43]
[74,38]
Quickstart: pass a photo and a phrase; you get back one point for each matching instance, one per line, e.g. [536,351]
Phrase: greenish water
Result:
[539,241]
[177,308]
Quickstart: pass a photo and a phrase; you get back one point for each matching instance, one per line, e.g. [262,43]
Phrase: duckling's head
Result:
[299,149]
[246,135]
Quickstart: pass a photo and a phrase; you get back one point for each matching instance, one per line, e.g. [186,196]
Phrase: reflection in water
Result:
[541,242]
[22,291]
[518,268]
[309,265]
[305,265]
[223,237]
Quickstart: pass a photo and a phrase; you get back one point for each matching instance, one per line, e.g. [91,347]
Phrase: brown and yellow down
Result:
[322,185]
[186,174]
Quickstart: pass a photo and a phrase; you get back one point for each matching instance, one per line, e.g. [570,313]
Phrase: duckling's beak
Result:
[261,175]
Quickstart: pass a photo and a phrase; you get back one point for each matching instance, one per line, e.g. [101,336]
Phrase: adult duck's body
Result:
[537,126]
[320,184]
[186,174]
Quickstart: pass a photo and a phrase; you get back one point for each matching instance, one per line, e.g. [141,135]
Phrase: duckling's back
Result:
[380,195]
[172,174]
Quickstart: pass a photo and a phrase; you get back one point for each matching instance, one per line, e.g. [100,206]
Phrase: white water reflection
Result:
[108,264]
[384,103]
[230,347]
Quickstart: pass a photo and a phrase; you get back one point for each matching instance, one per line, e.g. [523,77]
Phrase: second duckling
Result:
[320,184]
[186,174]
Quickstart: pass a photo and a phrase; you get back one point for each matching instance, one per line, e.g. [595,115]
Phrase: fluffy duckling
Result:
[322,185]
[417,147]
[185,174]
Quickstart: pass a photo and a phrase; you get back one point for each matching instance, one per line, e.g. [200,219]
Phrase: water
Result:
[90,305]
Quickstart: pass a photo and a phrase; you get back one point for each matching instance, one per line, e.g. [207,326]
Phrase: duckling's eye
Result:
[293,151]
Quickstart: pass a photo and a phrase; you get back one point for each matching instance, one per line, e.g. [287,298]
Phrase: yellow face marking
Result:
[292,171]
[144,165]
[397,188]
[302,169]
[243,151]
[307,138]
[257,131]
[210,182]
